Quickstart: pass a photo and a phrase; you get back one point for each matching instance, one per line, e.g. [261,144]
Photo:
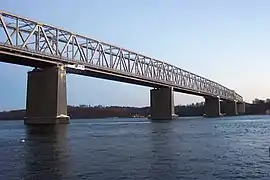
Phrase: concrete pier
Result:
[229,108]
[161,104]
[241,108]
[46,101]
[212,107]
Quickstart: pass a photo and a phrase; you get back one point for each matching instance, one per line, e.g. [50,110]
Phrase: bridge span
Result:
[53,52]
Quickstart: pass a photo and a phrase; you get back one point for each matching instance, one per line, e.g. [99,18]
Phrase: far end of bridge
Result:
[162,105]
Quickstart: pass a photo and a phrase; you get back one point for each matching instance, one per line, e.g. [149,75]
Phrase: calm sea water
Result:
[107,149]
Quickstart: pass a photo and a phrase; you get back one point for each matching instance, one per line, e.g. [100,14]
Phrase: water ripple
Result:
[224,148]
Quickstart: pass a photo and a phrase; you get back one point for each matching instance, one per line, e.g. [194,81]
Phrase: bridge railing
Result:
[32,36]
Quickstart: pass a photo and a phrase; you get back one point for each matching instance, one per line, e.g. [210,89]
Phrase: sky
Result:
[227,41]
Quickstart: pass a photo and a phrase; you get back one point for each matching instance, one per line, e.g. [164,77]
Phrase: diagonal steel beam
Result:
[5,29]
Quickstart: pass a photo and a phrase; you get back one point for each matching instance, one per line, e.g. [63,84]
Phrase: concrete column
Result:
[241,108]
[46,101]
[161,104]
[229,108]
[212,107]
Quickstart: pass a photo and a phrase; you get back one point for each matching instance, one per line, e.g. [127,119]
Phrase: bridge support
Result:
[241,108]
[161,104]
[212,107]
[229,108]
[46,101]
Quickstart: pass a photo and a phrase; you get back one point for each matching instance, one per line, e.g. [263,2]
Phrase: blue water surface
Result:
[107,149]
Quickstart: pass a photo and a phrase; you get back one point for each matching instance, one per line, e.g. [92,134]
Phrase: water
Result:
[107,149]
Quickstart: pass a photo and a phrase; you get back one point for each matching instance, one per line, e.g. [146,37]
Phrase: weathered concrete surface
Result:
[46,101]
[229,108]
[212,107]
[161,104]
[241,108]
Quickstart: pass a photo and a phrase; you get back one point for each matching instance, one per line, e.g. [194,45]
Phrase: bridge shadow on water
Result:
[46,152]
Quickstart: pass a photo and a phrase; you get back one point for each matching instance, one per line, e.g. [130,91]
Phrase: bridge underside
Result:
[46,101]
[25,59]
[48,105]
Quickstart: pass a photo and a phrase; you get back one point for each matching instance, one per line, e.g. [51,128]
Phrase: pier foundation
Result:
[46,101]
[241,108]
[212,106]
[229,108]
[161,104]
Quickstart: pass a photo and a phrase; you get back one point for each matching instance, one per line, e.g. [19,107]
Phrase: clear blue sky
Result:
[227,41]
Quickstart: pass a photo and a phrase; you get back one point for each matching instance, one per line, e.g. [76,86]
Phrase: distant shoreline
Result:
[258,107]
[100,112]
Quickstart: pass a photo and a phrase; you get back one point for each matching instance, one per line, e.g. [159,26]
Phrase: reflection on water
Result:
[47,152]
[224,148]
[162,161]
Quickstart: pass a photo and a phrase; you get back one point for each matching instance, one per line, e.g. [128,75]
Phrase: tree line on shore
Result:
[88,112]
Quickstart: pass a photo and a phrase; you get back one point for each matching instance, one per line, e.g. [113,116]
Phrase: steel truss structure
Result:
[32,37]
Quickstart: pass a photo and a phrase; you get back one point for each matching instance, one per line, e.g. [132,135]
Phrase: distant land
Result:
[258,107]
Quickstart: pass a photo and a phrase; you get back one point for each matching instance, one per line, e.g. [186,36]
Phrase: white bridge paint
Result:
[76,66]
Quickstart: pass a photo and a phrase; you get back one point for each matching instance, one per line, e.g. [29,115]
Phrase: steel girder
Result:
[35,37]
